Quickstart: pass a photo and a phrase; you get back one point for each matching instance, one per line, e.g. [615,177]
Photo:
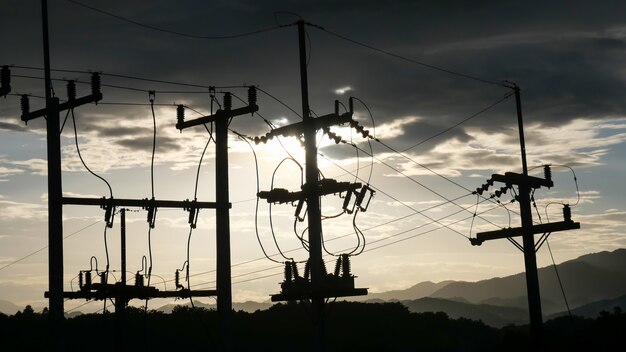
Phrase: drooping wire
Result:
[256,210]
[154,136]
[81,157]
[556,271]
[270,205]
[474,216]
[187,35]
[368,250]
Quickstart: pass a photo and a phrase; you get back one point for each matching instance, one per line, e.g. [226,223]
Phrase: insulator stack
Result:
[294,270]
[5,80]
[25,103]
[87,278]
[338,266]
[138,280]
[103,278]
[288,272]
[501,191]
[177,279]
[307,270]
[5,76]
[346,265]
[547,173]
[567,212]
[71,90]
[95,83]
[180,114]
[323,267]
[80,279]
[351,105]
[252,95]
[228,102]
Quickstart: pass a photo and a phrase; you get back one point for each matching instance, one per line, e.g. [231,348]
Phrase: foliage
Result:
[289,327]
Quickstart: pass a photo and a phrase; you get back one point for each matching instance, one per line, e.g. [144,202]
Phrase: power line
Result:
[42,248]
[188,35]
[404,58]
[460,122]
[116,75]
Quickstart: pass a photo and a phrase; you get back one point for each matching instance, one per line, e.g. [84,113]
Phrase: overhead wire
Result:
[404,58]
[44,247]
[367,250]
[188,35]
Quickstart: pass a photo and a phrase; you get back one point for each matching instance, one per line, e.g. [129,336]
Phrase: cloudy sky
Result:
[430,74]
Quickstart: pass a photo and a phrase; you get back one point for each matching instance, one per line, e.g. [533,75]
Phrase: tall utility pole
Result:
[55,190]
[312,198]
[221,119]
[527,230]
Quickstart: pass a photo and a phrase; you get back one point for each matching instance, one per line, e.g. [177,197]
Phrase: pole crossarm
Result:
[219,114]
[71,103]
[100,291]
[324,187]
[143,203]
[519,179]
[519,231]
[298,128]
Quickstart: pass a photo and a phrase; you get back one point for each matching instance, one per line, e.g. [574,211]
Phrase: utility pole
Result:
[224,290]
[316,285]
[527,230]
[312,198]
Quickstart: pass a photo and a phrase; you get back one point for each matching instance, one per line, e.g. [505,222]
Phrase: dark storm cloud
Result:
[567,58]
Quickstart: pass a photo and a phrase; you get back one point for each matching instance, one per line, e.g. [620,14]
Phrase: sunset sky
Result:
[424,69]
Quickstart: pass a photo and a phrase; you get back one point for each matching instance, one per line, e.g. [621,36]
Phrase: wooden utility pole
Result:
[224,290]
[527,230]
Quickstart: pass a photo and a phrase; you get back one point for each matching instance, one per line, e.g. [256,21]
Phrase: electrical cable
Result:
[556,271]
[194,36]
[136,78]
[270,205]
[506,96]
[388,53]
[44,247]
[256,211]
[368,250]
[81,157]
[154,210]
[373,136]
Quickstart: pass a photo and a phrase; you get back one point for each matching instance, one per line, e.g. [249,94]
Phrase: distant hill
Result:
[491,315]
[423,289]
[8,308]
[587,279]
[592,310]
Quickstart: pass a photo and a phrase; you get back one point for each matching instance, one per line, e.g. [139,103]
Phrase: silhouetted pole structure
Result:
[121,302]
[222,229]
[312,198]
[55,192]
[222,225]
[528,238]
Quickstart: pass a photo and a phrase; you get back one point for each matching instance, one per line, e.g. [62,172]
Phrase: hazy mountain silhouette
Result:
[8,308]
[586,279]
[592,310]
[423,289]
[491,315]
